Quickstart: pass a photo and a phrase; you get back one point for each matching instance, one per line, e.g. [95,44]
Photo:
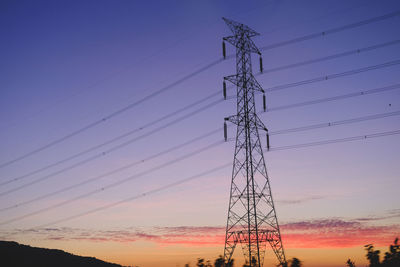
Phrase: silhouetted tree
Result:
[350,263]
[392,257]
[372,255]
[200,262]
[295,262]
[219,262]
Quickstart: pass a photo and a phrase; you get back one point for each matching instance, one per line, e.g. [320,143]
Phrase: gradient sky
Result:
[66,64]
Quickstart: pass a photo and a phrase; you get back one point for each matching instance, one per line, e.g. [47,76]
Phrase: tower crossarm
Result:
[233,79]
[233,119]
[238,79]
[255,85]
[248,46]
[260,125]
[238,120]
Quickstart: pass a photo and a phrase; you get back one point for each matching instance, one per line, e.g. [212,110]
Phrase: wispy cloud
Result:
[322,233]
[337,233]
[184,235]
[395,213]
[299,200]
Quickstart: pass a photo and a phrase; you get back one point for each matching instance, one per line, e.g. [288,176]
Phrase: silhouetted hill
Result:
[13,254]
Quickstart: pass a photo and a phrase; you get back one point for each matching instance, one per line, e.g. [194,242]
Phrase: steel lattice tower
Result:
[252,220]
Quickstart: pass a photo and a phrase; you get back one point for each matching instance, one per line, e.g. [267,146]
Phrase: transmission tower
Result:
[252,220]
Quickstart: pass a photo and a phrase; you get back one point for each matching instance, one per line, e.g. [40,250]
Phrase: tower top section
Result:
[239,28]
[241,38]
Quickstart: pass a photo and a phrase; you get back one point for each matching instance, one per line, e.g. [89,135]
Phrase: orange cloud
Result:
[336,233]
[323,233]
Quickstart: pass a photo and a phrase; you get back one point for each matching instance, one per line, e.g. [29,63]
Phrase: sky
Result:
[103,104]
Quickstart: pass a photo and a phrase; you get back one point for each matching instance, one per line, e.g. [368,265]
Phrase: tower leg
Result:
[230,245]
[276,245]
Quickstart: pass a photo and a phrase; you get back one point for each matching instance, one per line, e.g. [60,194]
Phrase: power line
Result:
[305,103]
[332,31]
[101,154]
[294,65]
[334,56]
[333,76]
[336,123]
[188,76]
[111,115]
[90,149]
[130,66]
[125,167]
[334,98]
[188,155]
[278,87]
[338,140]
[147,193]
[283,131]
[162,188]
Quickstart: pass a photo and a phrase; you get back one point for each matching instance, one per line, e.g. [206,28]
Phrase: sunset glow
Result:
[112,139]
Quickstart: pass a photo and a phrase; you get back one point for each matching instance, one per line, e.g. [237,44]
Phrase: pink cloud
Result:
[323,233]
[337,233]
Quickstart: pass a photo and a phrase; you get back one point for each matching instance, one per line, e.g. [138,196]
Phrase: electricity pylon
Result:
[252,220]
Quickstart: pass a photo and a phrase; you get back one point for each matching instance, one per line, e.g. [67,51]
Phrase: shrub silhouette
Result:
[219,262]
[295,262]
[372,255]
[391,259]
[350,263]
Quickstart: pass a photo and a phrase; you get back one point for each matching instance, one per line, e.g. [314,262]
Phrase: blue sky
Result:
[67,64]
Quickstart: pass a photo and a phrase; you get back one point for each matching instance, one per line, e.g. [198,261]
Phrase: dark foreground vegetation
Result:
[219,262]
[15,255]
[391,259]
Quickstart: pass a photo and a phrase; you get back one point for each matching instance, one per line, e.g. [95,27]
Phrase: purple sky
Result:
[65,65]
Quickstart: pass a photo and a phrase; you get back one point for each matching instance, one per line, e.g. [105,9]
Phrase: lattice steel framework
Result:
[252,220]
